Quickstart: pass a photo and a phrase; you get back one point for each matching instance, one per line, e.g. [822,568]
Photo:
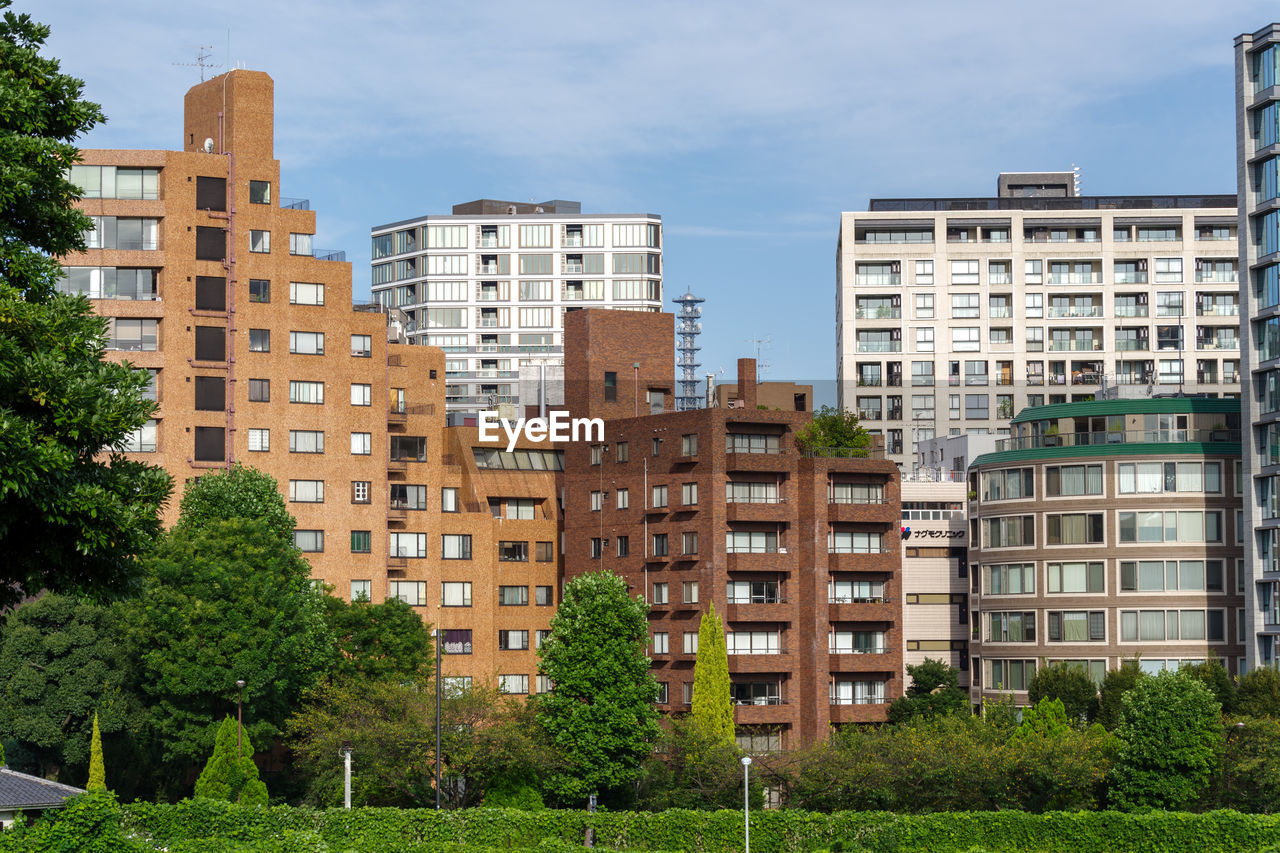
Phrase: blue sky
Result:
[748,126]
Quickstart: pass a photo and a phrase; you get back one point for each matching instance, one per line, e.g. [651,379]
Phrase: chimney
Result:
[711,390]
[747,382]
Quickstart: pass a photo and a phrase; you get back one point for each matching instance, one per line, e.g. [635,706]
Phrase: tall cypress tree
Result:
[712,709]
[97,771]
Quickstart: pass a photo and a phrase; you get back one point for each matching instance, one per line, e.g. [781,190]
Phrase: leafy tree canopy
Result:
[600,716]
[1115,684]
[1070,684]
[1171,734]
[386,641]
[1214,675]
[225,601]
[934,691]
[1258,693]
[834,428]
[237,493]
[64,662]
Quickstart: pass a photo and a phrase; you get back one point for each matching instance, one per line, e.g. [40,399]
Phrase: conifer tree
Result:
[712,709]
[231,774]
[97,772]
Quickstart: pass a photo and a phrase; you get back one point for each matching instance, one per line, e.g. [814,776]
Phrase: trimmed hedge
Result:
[374,830]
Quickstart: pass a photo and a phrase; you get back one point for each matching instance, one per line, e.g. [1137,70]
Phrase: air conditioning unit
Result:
[782,550]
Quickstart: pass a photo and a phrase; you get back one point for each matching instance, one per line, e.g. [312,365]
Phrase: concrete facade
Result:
[935,572]
[718,505]
[1105,531]
[953,314]
[492,284]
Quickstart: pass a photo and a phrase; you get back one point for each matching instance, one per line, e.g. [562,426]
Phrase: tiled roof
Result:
[20,791]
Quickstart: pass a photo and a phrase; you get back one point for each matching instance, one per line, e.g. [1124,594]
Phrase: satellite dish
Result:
[208,145]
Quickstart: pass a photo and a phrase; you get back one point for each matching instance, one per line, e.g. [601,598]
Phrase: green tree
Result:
[88,823]
[1214,675]
[379,641]
[230,773]
[64,662]
[493,743]
[1258,693]
[1249,780]
[695,771]
[1069,683]
[934,691]
[1115,684]
[712,712]
[836,429]
[97,770]
[239,492]
[71,517]
[225,601]
[1171,734]
[600,717]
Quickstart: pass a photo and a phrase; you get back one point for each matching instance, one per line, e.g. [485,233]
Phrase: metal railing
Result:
[1081,439]
[330,254]
[295,203]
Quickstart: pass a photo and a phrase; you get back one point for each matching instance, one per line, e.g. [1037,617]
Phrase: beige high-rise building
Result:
[955,313]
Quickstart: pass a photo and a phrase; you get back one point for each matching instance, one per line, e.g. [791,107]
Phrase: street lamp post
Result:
[346,773]
[239,718]
[746,802]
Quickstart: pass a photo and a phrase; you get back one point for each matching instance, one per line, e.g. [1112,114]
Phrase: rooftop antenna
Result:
[760,344]
[688,330]
[201,60]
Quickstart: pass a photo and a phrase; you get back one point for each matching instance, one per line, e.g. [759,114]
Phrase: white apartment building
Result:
[1257,63]
[955,313]
[490,284]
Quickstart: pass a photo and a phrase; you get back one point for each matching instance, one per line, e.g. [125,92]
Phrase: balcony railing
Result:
[859,700]
[1081,439]
[760,700]
[331,254]
[1131,311]
[879,346]
[844,599]
[872,650]
[1075,278]
[1074,346]
[1074,311]
[295,203]
[1218,277]
[878,313]
[1218,311]
[878,279]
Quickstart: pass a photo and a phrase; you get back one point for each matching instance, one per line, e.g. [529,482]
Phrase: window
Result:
[854,542]
[260,242]
[362,590]
[306,441]
[1073,480]
[689,445]
[660,593]
[1180,526]
[751,542]
[1008,484]
[751,443]
[966,339]
[1168,270]
[1171,576]
[623,498]
[259,192]
[1157,477]
[413,593]
[455,546]
[924,275]
[1010,627]
[659,545]
[660,643]
[305,293]
[300,244]
[659,496]
[964,272]
[361,541]
[457,642]
[544,596]
[1076,577]
[449,499]
[259,340]
[924,304]
[361,443]
[596,549]
[306,343]
[838,493]
[689,542]
[455,594]
[623,452]
[1012,531]
[610,386]
[516,684]
[1009,579]
[360,491]
[924,340]
[259,290]
[513,552]
[1034,272]
[259,440]
[595,501]
[965,305]
[689,494]
[513,640]
[690,642]
[309,541]
[623,545]
[408,545]
[259,390]
[1073,529]
[361,395]
[1167,625]
[361,346]
[513,596]
[1009,674]
[689,592]
[306,392]
[752,642]
[306,491]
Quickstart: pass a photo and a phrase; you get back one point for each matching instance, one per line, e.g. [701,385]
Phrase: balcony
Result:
[1131,311]
[1217,277]
[1217,310]
[738,461]
[573,268]
[778,561]
[1132,345]
[1057,311]
[1073,345]
[776,511]
[864,610]
[778,611]
[878,313]
[330,254]
[879,346]
[295,203]
[878,279]
[1075,278]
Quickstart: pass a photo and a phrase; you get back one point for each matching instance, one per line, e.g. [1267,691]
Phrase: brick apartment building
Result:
[209,280]
[799,552]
